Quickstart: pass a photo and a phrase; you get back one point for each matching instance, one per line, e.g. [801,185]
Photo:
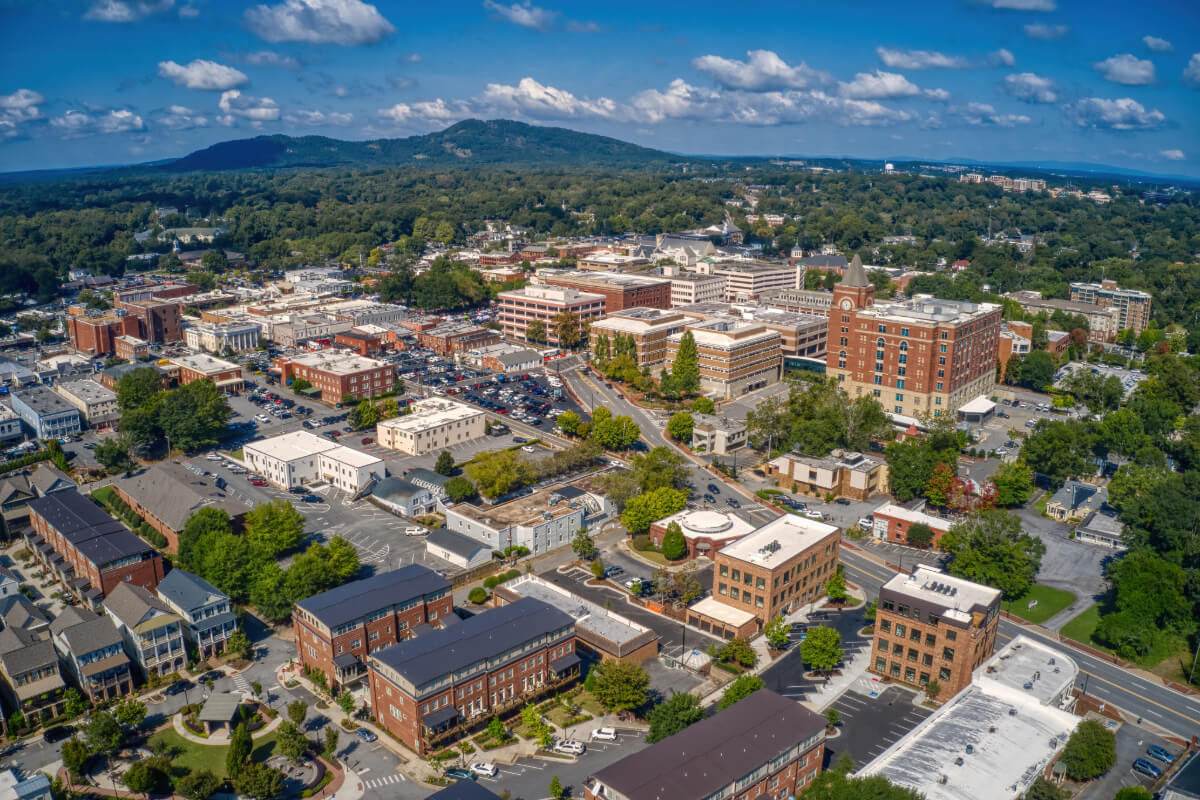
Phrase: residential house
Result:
[15,494]
[206,610]
[152,631]
[1076,500]
[33,683]
[93,652]
[403,497]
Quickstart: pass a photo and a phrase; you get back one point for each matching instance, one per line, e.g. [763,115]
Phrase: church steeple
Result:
[855,274]
[854,290]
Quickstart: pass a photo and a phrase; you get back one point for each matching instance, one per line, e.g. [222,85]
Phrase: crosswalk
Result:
[239,682]
[375,783]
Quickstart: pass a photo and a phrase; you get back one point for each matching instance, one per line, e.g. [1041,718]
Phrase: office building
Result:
[335,374]
[1104,322]
[842,473]
[93,652]
[763,746]
[612,262]
[735,357]
[159,321]
[434,424]
[619,291]
[920,356]
[96,403]
[298,458]
[933,626]
[696,288]
[646,329]
[712,433]
[152,632]
[891,523]
[206,611]
[45,414]
[802,301]
[801,335]
[451,338]
[517,310]
[131,348]
[704,531]
[542,521]
[96,333]
[1133,307]
[749,281]
[220,337]
[167,494]
[428,690]
[337,629]
[225,375]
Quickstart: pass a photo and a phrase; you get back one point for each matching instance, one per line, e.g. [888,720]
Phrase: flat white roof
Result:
[204,363]
[291,446]
[924,582]
[908,515]
[713,608]
[708,524]
[430,413]
[793,535]
[589,615]
[351,457]
[980,405]
[338,362]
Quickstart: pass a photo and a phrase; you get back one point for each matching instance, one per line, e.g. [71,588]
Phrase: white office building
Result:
[434,424]
[300,458]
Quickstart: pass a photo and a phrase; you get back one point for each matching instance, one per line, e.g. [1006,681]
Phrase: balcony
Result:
[435,739]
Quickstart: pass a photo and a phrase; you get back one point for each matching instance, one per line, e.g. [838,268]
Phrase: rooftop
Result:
[708,524]
[99,537]
[173,493]
[337,362]
[713,608]
[43,400]
[552,294]
[290,446]
[205,364]
[431,412]
[752,268]
[932,586]
[837,459]
[356,599]
[725,332]
[640,320]
[587,615]
[188,591]
[924,308]
[780,540]
[455,542]
[908,515]
[351,457]
[531,509]
[606,279]
[727,424]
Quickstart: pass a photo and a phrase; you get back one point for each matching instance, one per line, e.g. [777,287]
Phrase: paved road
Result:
[1175,713]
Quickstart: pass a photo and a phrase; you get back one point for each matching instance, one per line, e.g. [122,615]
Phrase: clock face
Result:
[846,303]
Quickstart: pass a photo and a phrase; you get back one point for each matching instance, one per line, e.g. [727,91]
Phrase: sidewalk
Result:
[221,737]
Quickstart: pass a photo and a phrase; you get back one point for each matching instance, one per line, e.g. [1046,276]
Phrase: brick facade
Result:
[97,336]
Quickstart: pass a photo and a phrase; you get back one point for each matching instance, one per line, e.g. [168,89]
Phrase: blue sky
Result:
[85,82]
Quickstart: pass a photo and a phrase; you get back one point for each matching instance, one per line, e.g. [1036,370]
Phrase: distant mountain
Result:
[467,143]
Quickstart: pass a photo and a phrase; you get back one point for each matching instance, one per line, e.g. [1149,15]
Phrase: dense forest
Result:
[287,218]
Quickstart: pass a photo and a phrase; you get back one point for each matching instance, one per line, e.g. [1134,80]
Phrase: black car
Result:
[298,490]
[57,734]
[708,498]
[212,675]
[712,487]
[179,687]
[733,501]
[842,501]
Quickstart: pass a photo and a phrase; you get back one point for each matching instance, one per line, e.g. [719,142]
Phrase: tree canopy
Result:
[989,547]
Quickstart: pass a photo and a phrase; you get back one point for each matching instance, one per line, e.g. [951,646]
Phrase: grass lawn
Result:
[191,756]
[1050,601]
[238,454]
[1083,626]
[1040,506]
[589,703]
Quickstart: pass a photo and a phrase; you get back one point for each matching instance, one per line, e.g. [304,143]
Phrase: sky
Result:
[97,82]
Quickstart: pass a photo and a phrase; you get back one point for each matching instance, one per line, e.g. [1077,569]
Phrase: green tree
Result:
[837,785]
[641,511]
[143,778]
[240,746]
[1060,450]
[1090,752]
[240,643]
[597,568]
[363,415]
[583,545]
[933,689]
[291,742]
[937,489]
[74,755]
[835,587]
[832,718]
[478,595]
[1042,789]
[74,703]
[674,546]
[673,715]
[214,261]
[535,332]
[618,433]
[1014,484]
[204,281]
[1037,370]
[199,785]
[130,711]
[103,733]
[680,425]
[445,464]
[822,649]
[331,741]
[741,686]
[1123,432]
[704,405]
[496,730]
[113,455]
[989,547]
[777,631]
[556,788]
[499,472]
[919,534]
[1133,793]
[566,326]
[275,527]
[297,711]
[201,528]
[194,416]
[259,782]
[459,489]
[620,686]
[738,651]
[568,421]
[136,387]
[685,370]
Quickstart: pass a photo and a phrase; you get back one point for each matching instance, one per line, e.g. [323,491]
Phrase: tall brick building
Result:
[919,356]
[1132,305]
[336,373]
[620,291]
[933,626]
[159,321]
[97,334]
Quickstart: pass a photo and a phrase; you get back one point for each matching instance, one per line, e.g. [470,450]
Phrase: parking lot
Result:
[871,725]
[1132,744]
[529,778]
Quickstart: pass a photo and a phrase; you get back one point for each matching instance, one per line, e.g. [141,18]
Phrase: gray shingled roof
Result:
[359,598]
[91,632]
[188,591]
[456,543]
[173,493]
[18,611]
[132,603]
[21,651]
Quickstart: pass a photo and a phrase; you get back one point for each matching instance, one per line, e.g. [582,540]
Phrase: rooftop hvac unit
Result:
[958,762]
[943,779]
[970,749]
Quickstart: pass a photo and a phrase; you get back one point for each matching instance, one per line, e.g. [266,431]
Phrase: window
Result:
[881,664]
[885,625]
[914,635]
[895,670]
[900,630]
[897,649]
[904,331]
[912,655]
[879,355]
[883,644]
[951,635]
[941,348]
[930,640]
[910,674]
[948,653]
[724,570]
[721,588]
[760,583]
[934,619]
[737,575]
[944,674]
[927,660]
[878,382]
[883,328]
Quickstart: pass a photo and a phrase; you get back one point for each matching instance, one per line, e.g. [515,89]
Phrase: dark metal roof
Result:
[715,752]
[436,719]
[457,543]
[97,536]
[486,635]
[464,790]
[345,660]
[357,599]
[397,489]
[188,591]
[560,665]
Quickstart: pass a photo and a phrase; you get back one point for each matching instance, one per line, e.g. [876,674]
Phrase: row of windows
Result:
[910,673]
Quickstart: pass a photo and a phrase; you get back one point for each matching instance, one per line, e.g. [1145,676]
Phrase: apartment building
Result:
[891,523]
[206,611]
[86,550]
[749,281]
[1133,307]
[45,414]
[517,310]
[842,473]
[337,630]
[225,375]
[802,335]
[1104,322]
[920,356]
[619,291]
[159,321]
[735,357]
[689,289]
[778,568]
[96,403]
[152,632]
[933,626]
[434,424]
[612,262]
[297,458]
[167,494]
[451,338]
[219,337]
[763,746]
[1016,339]
[131,348]
[646,328]
[431,689]
[91,649]
[802,301]
[96,334]
[338,373]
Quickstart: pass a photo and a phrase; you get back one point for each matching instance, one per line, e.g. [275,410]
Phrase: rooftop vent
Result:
[1012,712]
[1028,685]
[943,779]
[958,762]
[970,749]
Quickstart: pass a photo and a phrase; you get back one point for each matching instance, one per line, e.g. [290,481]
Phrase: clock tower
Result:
[853,293]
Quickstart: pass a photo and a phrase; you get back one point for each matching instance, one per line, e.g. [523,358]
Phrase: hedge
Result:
[25,461]
[492,581]
[108,498]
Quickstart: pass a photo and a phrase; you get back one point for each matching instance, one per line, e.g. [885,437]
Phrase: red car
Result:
[501,410]
[258,482]
[367,440]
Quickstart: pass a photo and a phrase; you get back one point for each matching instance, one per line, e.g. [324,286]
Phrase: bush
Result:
[642,542]
[478,595]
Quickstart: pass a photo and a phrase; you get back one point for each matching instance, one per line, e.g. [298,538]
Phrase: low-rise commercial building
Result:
[97,404]
[603,635]
[221,337]
[763,746]
[714,434]
[619,291]
[361,341]
[225,375]
[542,521]
[153,633]
[612,262]
[337,629]
[402,497]
[131,348]
[504,357]
[931,626]
[434,424]
[803,301]
[646,329]
[297,458]
[94,654]
[429,690]
[705,532]
[10,425]
[517,310]
[339,373]
[734,357]
[294,329]
[451,338]
[842,473]
[891,523]
[167,494]
[44,413]
[461,551]
[206,611]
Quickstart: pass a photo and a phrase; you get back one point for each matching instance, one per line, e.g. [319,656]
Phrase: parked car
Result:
[569,747]
[1154,751]
[258,482]
[708,498]
[57,734]
[519,440]
[367,440]
[604,735]
[178,687]
[213,457]
[365,735]
[310,498]
[415,530]
[1146,768]
[712,487]
[842,501]
[460,774]
[485,768]
[613,572]
[528,448]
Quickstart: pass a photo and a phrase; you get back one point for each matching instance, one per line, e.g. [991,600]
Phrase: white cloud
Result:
[202,74]
[1025,5]
[762,71]
[1173,155]
[1127,69]
[1191,73]
[189,12]
[1045,32]
[578,26]
[941,95]
[315,118]
[919,59]
[1004,58]
[344,22]
[269,58]
[878,85]
[1121,114]
[182,118]
[256,109]
[429,112]
[1157,45]
[985,114]
[412,58]
[76,124]
[524,14]
[124,11]
[531,98]
[21,105]
[1030,87]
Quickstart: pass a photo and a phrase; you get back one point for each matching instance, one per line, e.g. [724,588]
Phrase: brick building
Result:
[97,334]
[705,532]
[336,630]
[166,495]
[429,690]
[359,341]
[159,321]
[1133,307]
[450,338]
[336,373]
[225,375]
[933,626]
[915,357]
[646,328]
[735,357]
[131,348]
[891,523]
[763,746]
[619,291]
[1104,322]
[86,550]
[841,473]
[517,310]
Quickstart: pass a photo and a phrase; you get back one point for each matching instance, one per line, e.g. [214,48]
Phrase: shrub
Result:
[478,595]
[642,542]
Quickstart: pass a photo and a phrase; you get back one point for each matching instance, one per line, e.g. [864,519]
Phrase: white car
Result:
[528,448]
[485,769]
[604,735]
[814,514]
[569,747]
[415,530]
[212,457]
